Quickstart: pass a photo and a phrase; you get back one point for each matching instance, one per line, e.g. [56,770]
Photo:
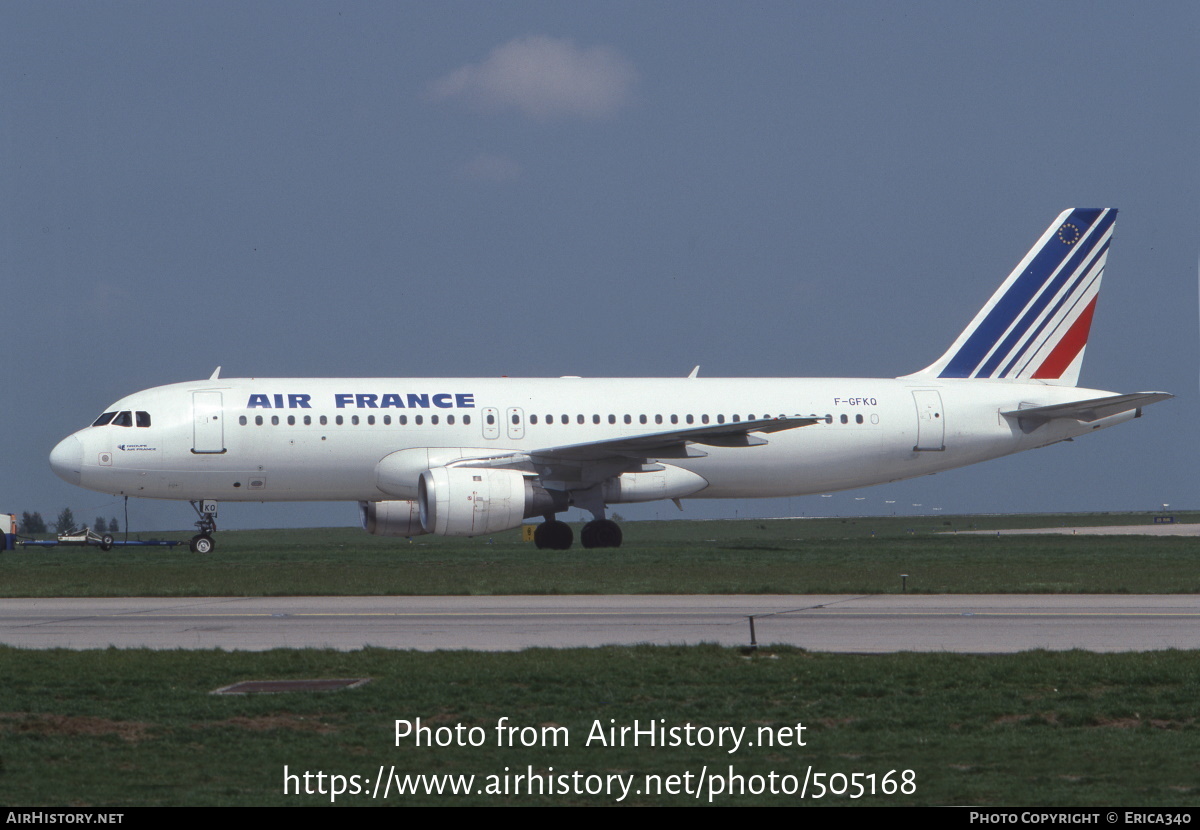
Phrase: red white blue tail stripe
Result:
[1035,327]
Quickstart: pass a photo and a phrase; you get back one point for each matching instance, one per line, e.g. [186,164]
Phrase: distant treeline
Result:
[32,524]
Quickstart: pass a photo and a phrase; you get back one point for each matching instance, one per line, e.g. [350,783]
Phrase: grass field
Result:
[114,728]
[865,555]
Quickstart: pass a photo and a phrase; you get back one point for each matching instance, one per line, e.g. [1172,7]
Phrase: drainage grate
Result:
[249,687]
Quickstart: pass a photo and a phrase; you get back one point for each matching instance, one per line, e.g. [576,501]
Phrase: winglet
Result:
[694,373]
[1035,327]
[216,375]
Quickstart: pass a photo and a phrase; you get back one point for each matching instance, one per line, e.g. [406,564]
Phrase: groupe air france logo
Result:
[1068,234]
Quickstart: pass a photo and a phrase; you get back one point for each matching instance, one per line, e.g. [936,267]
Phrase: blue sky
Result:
[626,189]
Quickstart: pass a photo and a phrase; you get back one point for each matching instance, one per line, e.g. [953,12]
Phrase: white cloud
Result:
[544,77]
[486,167]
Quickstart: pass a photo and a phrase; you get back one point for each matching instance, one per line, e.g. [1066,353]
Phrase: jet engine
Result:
[470,501]
[390,518]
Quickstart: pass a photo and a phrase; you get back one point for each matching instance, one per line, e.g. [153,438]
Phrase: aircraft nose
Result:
[66,459]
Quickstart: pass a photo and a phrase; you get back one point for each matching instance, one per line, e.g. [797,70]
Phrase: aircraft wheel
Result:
[202,543]
[554,535]
[602,533]
[106,543]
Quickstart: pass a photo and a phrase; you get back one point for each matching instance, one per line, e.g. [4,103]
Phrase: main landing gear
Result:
[203,541]
[601,533]
[553,535]
[598,533]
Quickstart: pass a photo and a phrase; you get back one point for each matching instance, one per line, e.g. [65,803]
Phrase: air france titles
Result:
[367,400]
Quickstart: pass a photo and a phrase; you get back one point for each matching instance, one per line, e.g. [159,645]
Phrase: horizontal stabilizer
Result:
[1089,410]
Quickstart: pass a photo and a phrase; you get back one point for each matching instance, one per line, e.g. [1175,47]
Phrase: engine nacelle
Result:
[470,501]
[399,474]
[667,483]
[391,518]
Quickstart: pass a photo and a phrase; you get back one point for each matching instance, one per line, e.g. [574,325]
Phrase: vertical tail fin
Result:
[1035,327]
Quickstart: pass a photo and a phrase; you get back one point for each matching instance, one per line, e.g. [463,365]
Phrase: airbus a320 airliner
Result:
[465,457]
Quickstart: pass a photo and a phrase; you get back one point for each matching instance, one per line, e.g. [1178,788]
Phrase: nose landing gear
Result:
[203,541]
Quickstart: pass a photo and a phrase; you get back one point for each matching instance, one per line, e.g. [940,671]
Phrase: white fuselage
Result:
[324,439]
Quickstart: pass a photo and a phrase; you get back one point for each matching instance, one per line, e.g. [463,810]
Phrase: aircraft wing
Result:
[674,443]
[630,450]
[1089,410]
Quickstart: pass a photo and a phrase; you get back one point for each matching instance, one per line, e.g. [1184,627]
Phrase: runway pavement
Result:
[836,623]
[1163,529]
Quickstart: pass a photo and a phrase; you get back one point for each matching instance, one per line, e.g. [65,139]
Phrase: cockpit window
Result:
[143,419]
[124,419]
[104,419]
